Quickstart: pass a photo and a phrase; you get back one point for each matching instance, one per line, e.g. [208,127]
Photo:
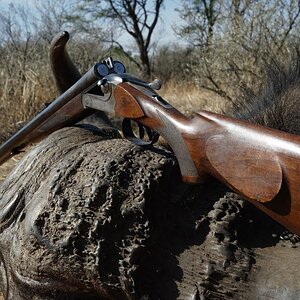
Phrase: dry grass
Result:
[21,99]
[22,95]
[188,98]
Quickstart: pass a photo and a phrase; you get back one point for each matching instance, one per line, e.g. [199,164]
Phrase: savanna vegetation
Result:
[223,46]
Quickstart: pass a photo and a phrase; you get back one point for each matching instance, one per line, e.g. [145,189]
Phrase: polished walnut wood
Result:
[261,164]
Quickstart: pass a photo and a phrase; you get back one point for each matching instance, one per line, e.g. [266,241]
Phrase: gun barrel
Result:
[20,138]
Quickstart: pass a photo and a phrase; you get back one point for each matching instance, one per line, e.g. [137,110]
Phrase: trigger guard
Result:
[130,136]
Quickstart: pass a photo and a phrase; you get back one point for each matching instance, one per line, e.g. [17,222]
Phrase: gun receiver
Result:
[261,164]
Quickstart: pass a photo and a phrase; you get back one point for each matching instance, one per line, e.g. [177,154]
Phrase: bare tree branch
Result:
[138,18]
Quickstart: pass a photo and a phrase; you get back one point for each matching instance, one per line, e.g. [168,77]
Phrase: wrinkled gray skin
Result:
[87,215]
[84,216]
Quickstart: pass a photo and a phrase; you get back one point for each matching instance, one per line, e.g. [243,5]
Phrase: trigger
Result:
[130,136]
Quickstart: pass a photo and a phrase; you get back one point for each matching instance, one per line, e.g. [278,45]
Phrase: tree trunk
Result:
[86,215]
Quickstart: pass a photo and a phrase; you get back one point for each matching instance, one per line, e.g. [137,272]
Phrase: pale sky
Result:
[170,18]
[163,33]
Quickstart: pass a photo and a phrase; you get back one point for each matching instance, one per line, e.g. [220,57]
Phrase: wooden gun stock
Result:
[261,164]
